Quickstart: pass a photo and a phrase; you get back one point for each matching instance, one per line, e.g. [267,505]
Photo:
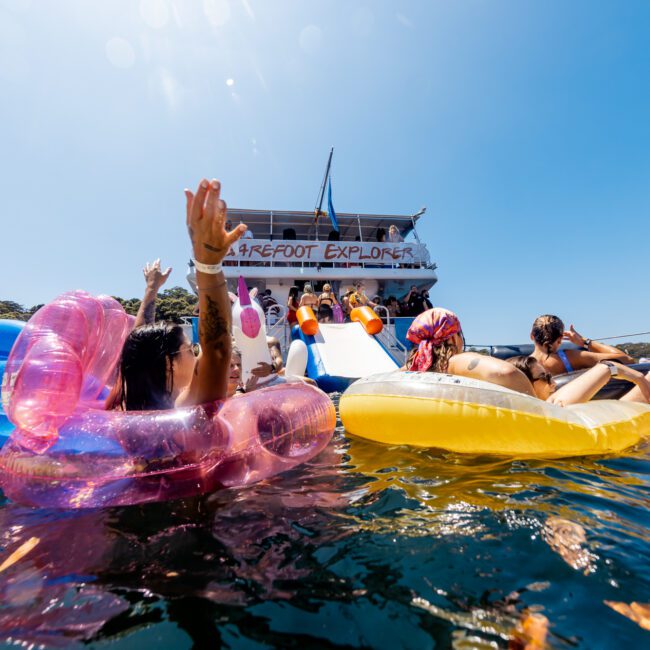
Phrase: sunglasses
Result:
[545,376]
[195,349]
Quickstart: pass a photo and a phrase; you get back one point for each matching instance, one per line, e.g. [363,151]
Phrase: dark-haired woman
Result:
[439,344]
[158,368]
[293,304]
[584,387]
[548,333]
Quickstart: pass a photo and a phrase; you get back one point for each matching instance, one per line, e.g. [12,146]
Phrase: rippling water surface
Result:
[368,546]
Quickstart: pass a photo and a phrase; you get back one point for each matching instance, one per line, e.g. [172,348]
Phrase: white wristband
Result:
[212,269]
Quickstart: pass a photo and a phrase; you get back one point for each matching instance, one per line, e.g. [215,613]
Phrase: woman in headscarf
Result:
[438,347]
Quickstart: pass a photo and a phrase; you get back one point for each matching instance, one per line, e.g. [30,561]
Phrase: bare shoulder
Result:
[465,361]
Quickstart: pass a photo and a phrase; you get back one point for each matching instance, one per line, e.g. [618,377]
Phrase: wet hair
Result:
[525,364]
[293,292]
[308,288]
[546,330]
[146,367]
[440,355]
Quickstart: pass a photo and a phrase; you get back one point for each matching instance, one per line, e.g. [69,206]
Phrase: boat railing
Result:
[276,325]
[387,336]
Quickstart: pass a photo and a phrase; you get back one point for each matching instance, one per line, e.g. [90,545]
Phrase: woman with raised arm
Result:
[584,387]
[548,333]
[158,369]
[154,279]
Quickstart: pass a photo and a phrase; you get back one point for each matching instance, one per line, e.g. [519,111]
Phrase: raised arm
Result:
[594,351]
[206,217]
[154,279]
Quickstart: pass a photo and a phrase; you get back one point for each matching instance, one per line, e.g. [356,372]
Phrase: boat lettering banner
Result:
[261,250]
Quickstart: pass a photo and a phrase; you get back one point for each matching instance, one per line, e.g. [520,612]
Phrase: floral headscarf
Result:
[430,329]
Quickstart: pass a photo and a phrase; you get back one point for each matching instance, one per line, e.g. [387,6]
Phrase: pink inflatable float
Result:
[68,452]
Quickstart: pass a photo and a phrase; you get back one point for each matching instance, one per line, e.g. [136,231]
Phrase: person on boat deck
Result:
[158,367]
[394,236]
[392,306]
[582,388]
[359,299]
[439,343]
[548,333]
[345,302]
[326,302]
[309,298]
[293,304]
[415,302]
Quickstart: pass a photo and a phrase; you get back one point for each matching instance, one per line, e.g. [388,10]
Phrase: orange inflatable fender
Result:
[307,321]
[367,317]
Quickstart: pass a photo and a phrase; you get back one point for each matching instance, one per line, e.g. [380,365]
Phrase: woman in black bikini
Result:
[326,302]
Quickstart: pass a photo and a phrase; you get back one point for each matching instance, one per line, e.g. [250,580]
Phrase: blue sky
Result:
[522,126]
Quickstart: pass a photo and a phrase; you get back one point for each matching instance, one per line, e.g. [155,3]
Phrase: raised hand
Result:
[573,337]
[206,219]
[263,369]
[153,276]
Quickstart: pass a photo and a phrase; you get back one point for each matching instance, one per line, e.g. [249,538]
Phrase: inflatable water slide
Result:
[340,353]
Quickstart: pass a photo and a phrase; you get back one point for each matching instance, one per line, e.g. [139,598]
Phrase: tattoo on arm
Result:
[214,249]
[213,328]
[473,363]
[149,313]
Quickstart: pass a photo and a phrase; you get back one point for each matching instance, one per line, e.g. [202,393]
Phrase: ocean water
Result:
[367,546]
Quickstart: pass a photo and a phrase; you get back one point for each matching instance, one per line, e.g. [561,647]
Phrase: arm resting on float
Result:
[581,359]
[583,388]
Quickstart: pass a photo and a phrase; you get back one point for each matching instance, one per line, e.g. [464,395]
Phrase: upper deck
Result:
[277,242]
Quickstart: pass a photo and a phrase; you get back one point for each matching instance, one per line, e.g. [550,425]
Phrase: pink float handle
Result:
[250,320]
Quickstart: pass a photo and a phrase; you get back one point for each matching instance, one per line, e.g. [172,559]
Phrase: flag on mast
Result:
[330,206]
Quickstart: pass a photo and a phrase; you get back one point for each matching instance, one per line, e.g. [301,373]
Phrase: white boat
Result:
[284,249]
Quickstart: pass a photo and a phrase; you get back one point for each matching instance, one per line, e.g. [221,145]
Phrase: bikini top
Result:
[565,360]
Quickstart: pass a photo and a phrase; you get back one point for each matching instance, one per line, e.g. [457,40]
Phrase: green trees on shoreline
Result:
[175,303]
[172,305]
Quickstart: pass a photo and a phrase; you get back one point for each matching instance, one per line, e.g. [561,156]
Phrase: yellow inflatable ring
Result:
[475,417]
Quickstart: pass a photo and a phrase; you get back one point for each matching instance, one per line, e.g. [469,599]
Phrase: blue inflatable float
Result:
[9,331]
